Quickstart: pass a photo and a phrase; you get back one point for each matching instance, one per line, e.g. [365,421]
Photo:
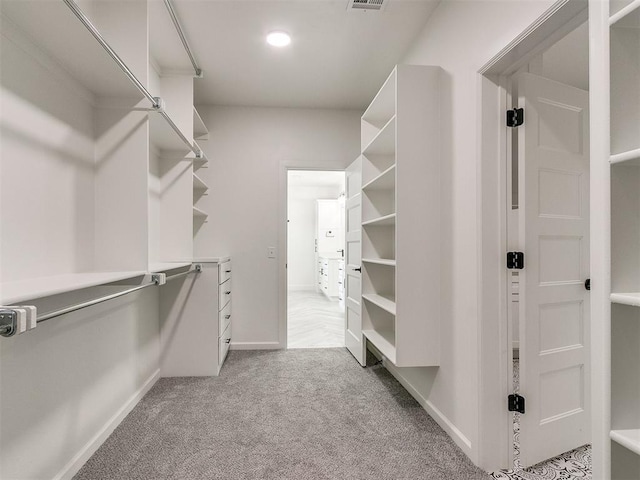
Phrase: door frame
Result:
[495,451]
[281,257]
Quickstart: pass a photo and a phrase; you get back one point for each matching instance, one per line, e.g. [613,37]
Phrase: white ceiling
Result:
[337,58]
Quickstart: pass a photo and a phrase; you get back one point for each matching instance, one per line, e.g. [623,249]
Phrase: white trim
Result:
[441,419]
[285,166]
[256,346]
[493,428]
[560,19]
[76,463]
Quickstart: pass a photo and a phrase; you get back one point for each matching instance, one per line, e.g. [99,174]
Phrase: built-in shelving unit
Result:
[624,413]
[119,168]
[400,223]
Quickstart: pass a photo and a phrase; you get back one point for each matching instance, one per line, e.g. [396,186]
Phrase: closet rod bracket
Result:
[8,322]
[158,104]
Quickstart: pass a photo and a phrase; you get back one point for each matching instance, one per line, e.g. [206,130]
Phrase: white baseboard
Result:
[447,425]
[255,346]
[76,463]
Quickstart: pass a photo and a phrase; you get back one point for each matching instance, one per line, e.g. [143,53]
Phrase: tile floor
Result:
[314,321]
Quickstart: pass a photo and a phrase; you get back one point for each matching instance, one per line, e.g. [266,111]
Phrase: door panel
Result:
[353,338]
[553,157]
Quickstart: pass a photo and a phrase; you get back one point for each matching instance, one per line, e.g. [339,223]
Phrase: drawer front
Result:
[224,319]
[224,294]
[223,346]
[224,272]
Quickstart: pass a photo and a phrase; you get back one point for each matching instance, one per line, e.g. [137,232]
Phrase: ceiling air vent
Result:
[376,5]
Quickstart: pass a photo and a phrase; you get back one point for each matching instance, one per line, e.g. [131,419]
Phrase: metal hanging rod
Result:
[197,269]
[80,306]
[94,31]
[8,328]
[182,36]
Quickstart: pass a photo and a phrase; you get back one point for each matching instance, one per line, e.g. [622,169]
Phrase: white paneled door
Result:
[553,158]
[353,338]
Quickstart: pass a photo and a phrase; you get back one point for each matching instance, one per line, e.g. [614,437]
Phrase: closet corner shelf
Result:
[384,143]
[33,288]
[167,266]
[385,303]
[198,184]
[199,213]
[632,299]
[381,221]
[380,261]
[383,340]
[165,137]
[631,157]
[200,131]
[627,438]
[385,181]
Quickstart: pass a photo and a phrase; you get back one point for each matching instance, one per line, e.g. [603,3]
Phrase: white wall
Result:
[63,384]
[301,263]
[248,148]
[461,37]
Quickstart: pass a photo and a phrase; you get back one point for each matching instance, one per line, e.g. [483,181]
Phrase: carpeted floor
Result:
[283,415]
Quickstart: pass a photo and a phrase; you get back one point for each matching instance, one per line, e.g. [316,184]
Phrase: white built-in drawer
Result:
[224,294]
[224,272]
[223,346]
[224,318]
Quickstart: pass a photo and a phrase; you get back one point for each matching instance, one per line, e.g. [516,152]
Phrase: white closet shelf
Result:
[198,183]
[631,298]
[627,16]
[164,137]
[60,35]
[386,303]
[166,266]
[385,181]
[21,290]
[200,131]
[380,261]
[631,157]
[383,106]
[627,438]
[384,143]
[199,213]
[383,340]
[381,221]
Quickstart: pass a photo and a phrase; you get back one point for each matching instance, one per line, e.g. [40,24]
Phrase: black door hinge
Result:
[516,403]
[515,260]
[515,117]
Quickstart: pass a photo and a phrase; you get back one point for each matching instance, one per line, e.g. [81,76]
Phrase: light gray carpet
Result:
[284,415]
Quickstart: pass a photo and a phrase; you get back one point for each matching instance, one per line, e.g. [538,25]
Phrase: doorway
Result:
[315,258]
[547,219]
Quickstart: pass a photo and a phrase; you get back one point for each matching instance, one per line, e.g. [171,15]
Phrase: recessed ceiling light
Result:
[278,39]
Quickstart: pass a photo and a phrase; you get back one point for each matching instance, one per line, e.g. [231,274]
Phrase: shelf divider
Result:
[380,221]
[385,303]
[380,261]
[627,438]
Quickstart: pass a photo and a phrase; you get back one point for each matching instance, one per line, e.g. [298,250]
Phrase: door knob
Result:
[359,269]
[587,284]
